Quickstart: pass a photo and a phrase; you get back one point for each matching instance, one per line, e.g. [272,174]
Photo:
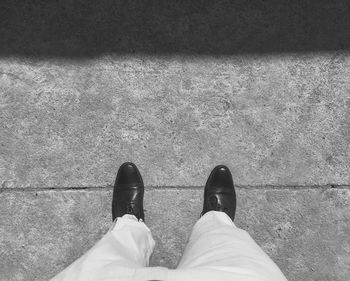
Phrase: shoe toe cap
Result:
[220,177]
[128,174]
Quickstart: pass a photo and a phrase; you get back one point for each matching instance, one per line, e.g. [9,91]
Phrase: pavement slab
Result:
[305,231]
[273,119]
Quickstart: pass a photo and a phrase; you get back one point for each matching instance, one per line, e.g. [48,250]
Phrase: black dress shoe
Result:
[128,192]
[219,192]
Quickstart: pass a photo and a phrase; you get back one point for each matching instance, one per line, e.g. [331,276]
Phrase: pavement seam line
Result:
[247,187]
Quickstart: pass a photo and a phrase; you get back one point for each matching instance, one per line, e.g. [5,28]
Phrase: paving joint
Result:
[247,187]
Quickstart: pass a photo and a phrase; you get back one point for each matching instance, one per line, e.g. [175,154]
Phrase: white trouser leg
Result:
[218,250]
[125,248]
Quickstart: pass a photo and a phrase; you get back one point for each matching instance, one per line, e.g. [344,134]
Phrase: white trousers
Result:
[217,250]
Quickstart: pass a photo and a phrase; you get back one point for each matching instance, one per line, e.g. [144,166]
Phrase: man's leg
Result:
[129,243]
[217,249]
[125,248]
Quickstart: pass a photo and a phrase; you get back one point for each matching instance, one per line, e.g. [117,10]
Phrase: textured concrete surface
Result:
[306,232]
[281,120]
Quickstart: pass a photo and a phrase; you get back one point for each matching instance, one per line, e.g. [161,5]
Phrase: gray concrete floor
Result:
[305,231]
[280,122]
